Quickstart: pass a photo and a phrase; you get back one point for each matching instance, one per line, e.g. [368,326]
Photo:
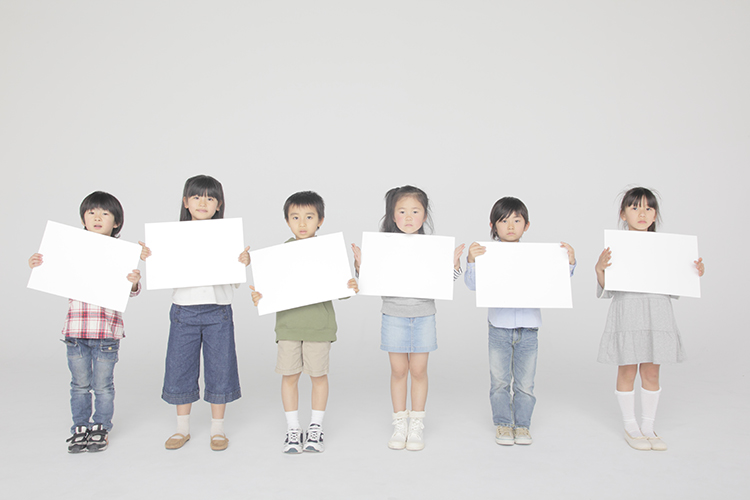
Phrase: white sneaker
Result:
[314,439]
[521,435]
[415,441]
[398,439]
[293,442]
[504,435]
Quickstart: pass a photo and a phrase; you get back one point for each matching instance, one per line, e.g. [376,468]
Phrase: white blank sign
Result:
[649,262]
[407,265]
[194,253]
[300,273]
[523,275]
[85,266]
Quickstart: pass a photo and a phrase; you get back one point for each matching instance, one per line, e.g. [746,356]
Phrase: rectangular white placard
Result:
[194,253]
[649,262]
[301,273]
[523,275]
[407,265]
[85,266]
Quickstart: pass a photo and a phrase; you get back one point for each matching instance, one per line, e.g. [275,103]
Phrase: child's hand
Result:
[457,256]
[256,296]
[602,264]
[357,256]
[245,257]
[35,260]
[353,285]
[475,250]
[145,251]
[134,278]
[571,253]
[698,265]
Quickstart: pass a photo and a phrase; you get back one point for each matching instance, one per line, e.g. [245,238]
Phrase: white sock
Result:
[627,407]
[217,426]
[649,403]
[292,420]
[317,417]
[183,424]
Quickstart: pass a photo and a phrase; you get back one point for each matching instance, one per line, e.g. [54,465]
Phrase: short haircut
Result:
[107,202]
[392,197]
[504,208]
[202,185]
[305,199]
[633,198]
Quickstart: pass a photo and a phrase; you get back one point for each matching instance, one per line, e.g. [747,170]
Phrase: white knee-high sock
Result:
[627,407]
[649,404]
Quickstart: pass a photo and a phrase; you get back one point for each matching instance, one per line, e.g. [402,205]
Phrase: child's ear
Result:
[184,202]
[320,223]
[526,228]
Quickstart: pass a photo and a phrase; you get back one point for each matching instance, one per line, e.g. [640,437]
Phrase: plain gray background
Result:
[562,104]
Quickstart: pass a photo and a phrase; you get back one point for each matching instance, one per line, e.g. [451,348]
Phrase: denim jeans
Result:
[211,327]
[92,368]
[513,354]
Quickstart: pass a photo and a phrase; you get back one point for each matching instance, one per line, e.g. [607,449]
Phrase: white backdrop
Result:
[562,104]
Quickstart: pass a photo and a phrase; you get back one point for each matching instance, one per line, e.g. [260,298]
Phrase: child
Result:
[513,343]
[304,336]
[92,335]
[201,316]
[408,324]
[641,332]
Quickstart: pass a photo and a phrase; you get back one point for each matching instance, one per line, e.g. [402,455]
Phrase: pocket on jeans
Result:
[108,350]
[74,351]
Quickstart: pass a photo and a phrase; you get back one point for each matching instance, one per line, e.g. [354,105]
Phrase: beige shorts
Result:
[297,356]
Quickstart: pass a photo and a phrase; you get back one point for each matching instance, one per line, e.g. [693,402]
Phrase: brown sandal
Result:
[176,441]
[219,442]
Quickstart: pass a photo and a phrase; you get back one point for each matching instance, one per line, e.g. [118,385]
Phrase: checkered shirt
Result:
[87,321]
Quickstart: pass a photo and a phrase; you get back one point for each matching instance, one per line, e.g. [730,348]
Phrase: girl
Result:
[408,322]
[201,315]
[641,332]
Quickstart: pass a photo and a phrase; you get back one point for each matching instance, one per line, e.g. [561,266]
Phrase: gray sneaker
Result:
[314,439]
[504,435]
[293,442]
[97,438]
[522,436]
[79,440]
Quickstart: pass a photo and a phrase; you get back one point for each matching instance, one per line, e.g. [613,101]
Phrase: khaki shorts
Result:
[297,356]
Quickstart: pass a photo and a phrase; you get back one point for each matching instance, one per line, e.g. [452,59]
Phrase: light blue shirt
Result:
[507,317]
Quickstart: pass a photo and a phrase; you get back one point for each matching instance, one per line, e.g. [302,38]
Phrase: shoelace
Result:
[400,426]
[416,426]
[293,436]
[313,433]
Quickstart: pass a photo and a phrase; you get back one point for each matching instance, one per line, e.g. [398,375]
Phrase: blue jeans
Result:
[92,368]
[513,354]
[209,326]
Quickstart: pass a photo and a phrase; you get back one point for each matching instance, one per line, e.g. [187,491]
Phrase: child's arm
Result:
[256,296]
[353,285]
[457,256]
[135,278]
[145,251]
[245,257]
[602,264]
[571,253]
[698,265]
[357,257]
[475,250]
[35,260]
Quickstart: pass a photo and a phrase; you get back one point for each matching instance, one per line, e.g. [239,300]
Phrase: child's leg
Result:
[523,364]
[221,376]
[104,355]
[626,398]
[319,393]
[290,392]
[81,371]
[418,372]
[650,392]
[399,373]
[626,377]
[500,353]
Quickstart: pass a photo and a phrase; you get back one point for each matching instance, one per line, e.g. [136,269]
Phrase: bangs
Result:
[204,185]
[635,196]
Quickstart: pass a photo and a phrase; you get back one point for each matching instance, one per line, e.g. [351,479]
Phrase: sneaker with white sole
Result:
[97,438]
[400,424]
[314,439]
[521,435]
[293,442]
[504,435]
[79,440]
[415,440]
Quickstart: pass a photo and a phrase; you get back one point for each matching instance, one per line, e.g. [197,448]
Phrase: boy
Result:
[92,336]
[513,332]
[304,336]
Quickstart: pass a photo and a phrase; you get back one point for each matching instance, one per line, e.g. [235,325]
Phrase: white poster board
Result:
[85,266]
[649,262]
[523,275]
[301,273]
[194,253]
[407,265]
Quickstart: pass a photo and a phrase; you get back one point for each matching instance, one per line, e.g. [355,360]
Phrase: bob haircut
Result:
[305,199]
[107,202]
[634,197]
[392,197]
[504,208]
[202,185]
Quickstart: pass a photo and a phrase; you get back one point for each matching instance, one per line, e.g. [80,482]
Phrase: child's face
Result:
[99,221]
[409,214]
[639,218]
[511,228]
[303,221]
[201,207]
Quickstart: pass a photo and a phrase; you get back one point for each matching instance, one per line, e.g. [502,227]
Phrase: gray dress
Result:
[640,329]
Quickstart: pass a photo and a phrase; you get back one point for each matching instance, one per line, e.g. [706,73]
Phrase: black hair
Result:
[202,185]
[107,202]
[504,208]
[392,197]
[633,197]
[305,199]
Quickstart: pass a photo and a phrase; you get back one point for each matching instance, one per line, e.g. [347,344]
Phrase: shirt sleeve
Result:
[137,290]
[470,276]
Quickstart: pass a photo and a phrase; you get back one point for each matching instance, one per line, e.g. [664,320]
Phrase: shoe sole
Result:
[313,449]
[293,451]
[415,448]
[397,446]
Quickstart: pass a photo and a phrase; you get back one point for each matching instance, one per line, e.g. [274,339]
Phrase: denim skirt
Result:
[408,334]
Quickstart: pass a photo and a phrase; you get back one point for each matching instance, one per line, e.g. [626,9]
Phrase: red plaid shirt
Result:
[87,321]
